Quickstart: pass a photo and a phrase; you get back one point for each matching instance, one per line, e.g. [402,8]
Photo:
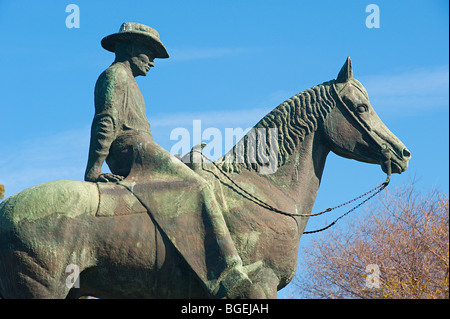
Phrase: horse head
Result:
[355,131]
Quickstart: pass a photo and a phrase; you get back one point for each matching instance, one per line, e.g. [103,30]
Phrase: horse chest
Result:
[266,236]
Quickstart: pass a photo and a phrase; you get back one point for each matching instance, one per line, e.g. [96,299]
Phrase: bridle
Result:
[384,148]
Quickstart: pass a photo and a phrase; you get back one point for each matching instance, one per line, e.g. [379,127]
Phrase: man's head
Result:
[136,43]
[140,57]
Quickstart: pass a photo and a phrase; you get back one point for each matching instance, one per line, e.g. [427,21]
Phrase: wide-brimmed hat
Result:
[136,32]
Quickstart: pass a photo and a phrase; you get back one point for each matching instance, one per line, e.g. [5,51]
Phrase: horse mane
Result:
[294,119]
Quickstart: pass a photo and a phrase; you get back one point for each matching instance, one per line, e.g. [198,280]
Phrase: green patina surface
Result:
[73,198]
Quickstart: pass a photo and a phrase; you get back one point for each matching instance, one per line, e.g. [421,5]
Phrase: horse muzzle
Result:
[394,161]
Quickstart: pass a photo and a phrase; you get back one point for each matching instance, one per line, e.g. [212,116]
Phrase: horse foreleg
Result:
[23,277]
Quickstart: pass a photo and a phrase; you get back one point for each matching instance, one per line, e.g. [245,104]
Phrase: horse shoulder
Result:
[63,197]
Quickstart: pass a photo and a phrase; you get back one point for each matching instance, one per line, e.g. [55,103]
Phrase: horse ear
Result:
[346,73]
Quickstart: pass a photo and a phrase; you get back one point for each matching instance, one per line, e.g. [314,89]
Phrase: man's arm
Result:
[102,136]
[109,91]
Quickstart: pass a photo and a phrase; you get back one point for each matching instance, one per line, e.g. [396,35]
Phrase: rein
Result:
[378,189]
[269,207]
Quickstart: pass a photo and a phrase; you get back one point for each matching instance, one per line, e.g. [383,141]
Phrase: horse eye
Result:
[362,108]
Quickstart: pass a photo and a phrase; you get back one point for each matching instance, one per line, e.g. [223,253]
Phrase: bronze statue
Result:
[121,135]
[155,228]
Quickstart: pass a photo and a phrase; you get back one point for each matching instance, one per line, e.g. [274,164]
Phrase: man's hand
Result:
[106,178]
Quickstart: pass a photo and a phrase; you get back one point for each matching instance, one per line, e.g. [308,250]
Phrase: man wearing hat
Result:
[119,105]
[121,135]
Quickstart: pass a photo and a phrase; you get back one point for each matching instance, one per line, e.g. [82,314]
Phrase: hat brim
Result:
[109,42]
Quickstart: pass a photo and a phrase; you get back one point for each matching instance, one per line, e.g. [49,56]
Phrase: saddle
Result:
[178,209]
[117,200]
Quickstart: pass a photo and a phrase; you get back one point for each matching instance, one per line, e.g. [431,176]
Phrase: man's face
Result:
[141,60]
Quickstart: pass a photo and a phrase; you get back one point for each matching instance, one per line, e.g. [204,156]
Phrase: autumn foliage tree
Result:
[2,191]
[399,248]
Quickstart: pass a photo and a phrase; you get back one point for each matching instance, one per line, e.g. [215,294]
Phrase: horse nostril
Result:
[406,153]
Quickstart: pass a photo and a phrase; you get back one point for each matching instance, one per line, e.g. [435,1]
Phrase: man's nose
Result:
[152,64]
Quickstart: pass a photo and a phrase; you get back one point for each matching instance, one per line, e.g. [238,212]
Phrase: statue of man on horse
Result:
[157,228]
[121,135]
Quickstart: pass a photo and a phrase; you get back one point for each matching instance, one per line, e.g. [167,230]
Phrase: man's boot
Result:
[235,283]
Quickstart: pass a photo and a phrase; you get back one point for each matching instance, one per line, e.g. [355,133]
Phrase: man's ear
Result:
[129,49]
[124,51]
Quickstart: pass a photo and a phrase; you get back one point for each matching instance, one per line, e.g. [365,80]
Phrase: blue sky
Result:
[231,63]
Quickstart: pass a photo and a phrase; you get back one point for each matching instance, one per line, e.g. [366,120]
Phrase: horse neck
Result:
[302,174]
[300,149]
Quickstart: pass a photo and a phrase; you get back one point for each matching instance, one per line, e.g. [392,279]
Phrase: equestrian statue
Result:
[161,227]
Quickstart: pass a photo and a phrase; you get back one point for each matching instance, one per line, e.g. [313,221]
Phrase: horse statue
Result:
[67,239]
